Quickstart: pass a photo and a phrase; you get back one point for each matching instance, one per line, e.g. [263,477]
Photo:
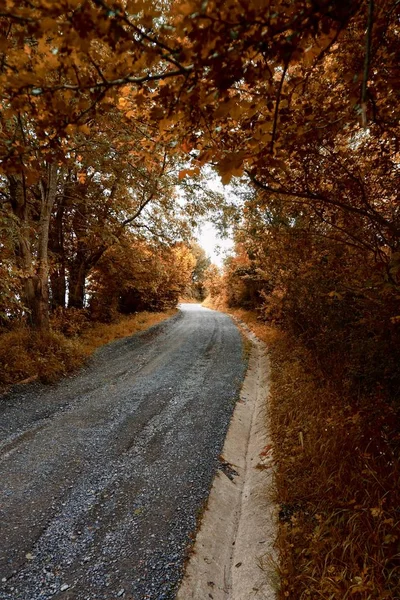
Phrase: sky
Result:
[214,246]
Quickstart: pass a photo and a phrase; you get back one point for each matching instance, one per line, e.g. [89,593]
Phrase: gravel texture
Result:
[104,475]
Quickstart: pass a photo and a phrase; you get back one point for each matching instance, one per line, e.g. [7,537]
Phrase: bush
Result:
[27,354]
[70,321]
[338,485]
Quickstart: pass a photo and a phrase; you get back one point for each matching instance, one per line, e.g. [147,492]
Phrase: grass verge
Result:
[26,355]
[337,481]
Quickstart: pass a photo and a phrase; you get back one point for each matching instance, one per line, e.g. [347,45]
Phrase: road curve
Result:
[103,475]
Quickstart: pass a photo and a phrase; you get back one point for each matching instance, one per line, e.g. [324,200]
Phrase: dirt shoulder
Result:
[233,554]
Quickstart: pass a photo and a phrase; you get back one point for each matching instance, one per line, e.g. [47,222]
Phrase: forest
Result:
[113,113]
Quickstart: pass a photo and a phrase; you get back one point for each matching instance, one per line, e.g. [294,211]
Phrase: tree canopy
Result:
[107,106]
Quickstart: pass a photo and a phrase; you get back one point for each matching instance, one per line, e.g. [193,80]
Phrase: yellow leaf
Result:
[182,174]
[125,90]
[164,124]
[186,9]
[70,129]
[84,129]
[189,172]
[388,539]
[186,146]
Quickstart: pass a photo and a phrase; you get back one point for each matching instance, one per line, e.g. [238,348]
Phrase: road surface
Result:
[103,475]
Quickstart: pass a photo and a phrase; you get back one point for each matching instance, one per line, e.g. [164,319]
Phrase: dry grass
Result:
[337,484]
[263,331]
[99,334]
[337,481]
[217,303]
[188,300]
[26,355]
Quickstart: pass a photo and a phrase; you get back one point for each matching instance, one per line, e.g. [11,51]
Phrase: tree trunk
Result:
[58,269]
[76,283]
[84,259]
[32,246]
[58,287]
[48,191]
[23,248]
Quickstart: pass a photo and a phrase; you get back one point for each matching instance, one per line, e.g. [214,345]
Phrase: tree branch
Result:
[39,91]
[310,198]
[368,41]
[278,99]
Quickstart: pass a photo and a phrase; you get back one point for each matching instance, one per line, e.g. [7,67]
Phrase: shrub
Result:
[28,354]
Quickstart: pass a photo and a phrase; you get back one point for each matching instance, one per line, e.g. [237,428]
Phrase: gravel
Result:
[104,475]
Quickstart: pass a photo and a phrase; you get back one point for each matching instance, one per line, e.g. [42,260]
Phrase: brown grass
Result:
[337,481]
[216,303]
[99,334]
[27,355]
[188,300]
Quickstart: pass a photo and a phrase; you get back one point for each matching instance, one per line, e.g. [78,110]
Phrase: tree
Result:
[199,271]
[279,93]
[213,281]
[31,209]
[137,275]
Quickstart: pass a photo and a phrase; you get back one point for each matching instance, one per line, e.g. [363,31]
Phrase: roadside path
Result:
[102,476]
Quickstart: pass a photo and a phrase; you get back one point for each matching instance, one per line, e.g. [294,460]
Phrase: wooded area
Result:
[110,110]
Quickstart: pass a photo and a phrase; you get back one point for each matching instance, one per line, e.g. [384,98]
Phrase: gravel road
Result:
[103,475]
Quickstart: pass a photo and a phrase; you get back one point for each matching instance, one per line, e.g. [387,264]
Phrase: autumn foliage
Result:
[111,110]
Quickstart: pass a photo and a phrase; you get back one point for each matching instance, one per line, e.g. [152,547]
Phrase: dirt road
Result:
[103,475]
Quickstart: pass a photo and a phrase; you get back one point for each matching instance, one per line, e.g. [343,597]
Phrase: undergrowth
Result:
[99,334]
[337,481]
[337,484]
[26,355]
